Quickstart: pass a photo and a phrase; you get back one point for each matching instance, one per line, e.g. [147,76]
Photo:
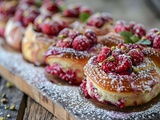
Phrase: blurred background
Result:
[146,12]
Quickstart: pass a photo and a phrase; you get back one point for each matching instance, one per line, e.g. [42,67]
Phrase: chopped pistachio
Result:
[158,33]
[3,95]
[4,100]
[8,84]
[113,48]
[123,47]
[135,69]
[100,64]
[2,118]
[12,107]
[111,58]
[61,36]
[8,115]
[5,107]
[144,37]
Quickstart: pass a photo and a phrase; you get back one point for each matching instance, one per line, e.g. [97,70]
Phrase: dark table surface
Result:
[130,10]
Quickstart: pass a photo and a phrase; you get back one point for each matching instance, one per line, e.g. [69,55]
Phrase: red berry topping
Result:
[106,17]
[156,42]
[38,22]
[123,63]
[84,89]
[70,13]
[96,21]
[131,25]
[118,52]
[121,26]
[135,46]
[92,36]
[18,15]
[152,34]
[28,18]
[65,32]
[85,9]
[65,43]
[73,34]
[136,56]
[104,53]
[50,27]
[139,30]
[81,43]
[108,67]
[51,6]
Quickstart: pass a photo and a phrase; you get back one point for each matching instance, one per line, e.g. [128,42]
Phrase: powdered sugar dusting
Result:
[69,97]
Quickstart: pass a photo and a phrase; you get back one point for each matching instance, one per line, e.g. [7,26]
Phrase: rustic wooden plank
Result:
[13,96]
[35,111]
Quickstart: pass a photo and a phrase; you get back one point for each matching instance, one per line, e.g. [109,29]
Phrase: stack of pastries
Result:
[115,63]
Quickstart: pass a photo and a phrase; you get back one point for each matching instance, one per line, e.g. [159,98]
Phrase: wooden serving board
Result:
[64,101]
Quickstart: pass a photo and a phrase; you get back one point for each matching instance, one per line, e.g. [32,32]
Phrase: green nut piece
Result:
[111,58]
[9,85]
[12,107]
[3,100]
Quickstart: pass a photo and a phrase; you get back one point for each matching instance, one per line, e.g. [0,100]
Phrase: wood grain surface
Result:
[13,97]
[35,111]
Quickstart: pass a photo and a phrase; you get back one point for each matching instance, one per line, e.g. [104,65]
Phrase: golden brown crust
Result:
[143,81]
[34,45]
[110,39]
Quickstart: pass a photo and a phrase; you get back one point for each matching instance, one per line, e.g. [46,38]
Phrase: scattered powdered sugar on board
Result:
[69,96]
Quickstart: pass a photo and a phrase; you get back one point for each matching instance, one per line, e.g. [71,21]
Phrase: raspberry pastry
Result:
[39,37]
[153,49]
[72,51]
[7,9]
[72,13]
[121,76]
[101,23]
[15,27]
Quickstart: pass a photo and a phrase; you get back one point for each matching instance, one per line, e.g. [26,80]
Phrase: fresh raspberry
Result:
[108,67]
[123,63]
[135,46]
[65,43]
[136,56]
[152,34]
[18,15]
[73,34]
[81,43]
[85,9]
[65,32]
[50,27]
[70,13]
[106,17]
[104,53]
[95,21]
[131,25]
[51,6]
[39,21]
[120,22]
[122,44]
[92,36]
[156,42]
[121,26]
[29,19]
[62,25]
[139,30]
[118,52]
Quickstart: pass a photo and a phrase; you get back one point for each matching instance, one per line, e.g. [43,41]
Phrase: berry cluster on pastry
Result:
[122,76]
